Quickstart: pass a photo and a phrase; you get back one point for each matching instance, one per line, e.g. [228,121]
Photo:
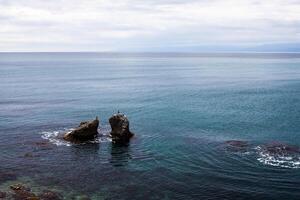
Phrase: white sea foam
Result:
[278,160]
[56,137]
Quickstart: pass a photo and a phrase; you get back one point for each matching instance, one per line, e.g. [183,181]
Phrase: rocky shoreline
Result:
[20,191]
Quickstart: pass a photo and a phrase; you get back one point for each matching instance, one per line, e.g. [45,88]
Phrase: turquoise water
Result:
[183,108]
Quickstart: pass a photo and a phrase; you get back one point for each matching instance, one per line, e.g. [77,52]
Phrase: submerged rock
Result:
[43,143]
[28,155]
[120,128]
[87,130]
[22,192]
[50,195]
[279,154]
[237,145]
[281,149]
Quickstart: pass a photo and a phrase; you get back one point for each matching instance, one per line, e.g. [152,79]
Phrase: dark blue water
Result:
[183,108]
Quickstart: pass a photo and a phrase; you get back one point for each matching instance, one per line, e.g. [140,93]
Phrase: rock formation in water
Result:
[281,149]
[120,132]
[237,145]
[87,130]
[22,192]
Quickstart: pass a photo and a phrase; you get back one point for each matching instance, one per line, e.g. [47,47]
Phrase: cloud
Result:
[134,25]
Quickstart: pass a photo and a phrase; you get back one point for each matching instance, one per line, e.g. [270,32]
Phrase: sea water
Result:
[202,124]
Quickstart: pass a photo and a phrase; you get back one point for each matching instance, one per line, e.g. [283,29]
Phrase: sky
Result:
[150,25]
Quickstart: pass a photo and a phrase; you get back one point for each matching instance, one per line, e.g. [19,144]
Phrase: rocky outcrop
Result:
[87,130]
[281,149]
[22,192]
[120,132]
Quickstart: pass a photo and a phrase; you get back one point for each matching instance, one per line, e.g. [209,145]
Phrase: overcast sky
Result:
[147,25]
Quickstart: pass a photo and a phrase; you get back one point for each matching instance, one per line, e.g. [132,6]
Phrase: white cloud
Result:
[120,25]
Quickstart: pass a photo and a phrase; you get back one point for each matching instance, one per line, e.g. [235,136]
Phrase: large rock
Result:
[86,131]
[120,128]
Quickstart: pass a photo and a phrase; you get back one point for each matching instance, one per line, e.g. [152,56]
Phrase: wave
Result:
[274,154]
[56,137]
[281,158]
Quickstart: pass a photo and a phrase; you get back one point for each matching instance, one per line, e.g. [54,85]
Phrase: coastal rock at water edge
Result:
[87,130]
[120,128]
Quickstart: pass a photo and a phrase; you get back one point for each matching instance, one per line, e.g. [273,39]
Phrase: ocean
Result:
[207,126]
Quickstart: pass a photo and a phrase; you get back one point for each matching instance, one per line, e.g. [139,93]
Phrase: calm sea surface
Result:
[185,110]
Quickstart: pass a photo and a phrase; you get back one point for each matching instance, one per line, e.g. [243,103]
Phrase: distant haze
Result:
[150,25]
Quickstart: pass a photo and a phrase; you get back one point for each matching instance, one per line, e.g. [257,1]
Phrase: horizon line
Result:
[162,52]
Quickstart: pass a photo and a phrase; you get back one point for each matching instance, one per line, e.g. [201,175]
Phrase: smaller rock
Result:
[18,186]
[28,155]
[120,128]
[86,131]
